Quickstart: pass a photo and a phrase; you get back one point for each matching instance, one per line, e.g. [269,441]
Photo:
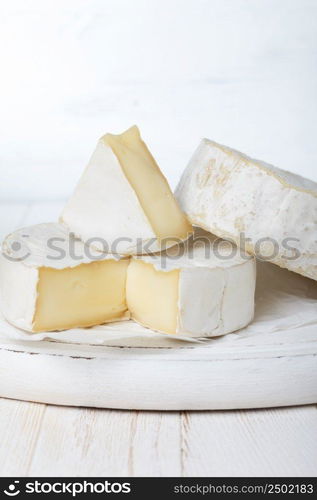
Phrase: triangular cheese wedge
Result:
[123,203]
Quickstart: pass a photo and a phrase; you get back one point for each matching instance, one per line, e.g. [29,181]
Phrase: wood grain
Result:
[79,442]
[20,425]
[252,443]
[55,441]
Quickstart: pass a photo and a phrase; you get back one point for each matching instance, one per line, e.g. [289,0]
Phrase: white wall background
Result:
[242,72]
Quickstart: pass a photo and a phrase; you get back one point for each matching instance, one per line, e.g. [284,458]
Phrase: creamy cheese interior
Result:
[82,296]
[149,184]
[152,296]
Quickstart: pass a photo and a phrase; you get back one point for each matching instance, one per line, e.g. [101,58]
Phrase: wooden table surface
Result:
[43,440]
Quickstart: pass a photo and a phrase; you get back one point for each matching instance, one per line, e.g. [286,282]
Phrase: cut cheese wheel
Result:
[204,288]
[123,203]
[50,281]
[269,212]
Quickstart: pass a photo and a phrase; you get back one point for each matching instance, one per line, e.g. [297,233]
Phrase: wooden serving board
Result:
[214,375]
[273,362]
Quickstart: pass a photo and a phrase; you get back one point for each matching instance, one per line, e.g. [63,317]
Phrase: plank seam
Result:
[85,358]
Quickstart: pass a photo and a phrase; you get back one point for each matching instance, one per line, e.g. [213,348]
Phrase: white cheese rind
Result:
[105,206]
[215,292]
[18,291]
[51,245]
[222,301]
[236,197]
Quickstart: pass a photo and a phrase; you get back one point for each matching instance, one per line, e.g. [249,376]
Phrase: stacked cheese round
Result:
[52,281]
[98,264]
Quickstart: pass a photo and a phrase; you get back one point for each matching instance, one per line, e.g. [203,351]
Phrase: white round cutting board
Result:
[273,362]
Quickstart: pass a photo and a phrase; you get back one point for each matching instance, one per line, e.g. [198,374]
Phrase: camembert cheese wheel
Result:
[269,212]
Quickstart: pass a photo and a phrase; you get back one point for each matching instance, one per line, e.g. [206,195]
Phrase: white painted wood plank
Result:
[251,443]
[20,425]
[79,442]
[156,444]
[83,442]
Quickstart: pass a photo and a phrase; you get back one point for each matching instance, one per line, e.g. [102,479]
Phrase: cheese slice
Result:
[50,281]
[123,203]
[269,212]
[201,289]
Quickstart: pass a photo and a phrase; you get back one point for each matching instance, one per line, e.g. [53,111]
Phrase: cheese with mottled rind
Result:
[204,288]
[50,281]
[269,212]
[123,203]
